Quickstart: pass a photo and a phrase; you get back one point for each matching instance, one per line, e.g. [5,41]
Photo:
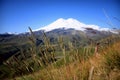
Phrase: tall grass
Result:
[81,63]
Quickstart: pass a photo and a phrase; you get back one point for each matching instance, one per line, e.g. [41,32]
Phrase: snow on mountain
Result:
[71,23]
[68,23]
[15,33]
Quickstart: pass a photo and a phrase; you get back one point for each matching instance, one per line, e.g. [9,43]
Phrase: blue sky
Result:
[17,15]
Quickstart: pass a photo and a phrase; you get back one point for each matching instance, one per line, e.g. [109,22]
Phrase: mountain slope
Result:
[71,30]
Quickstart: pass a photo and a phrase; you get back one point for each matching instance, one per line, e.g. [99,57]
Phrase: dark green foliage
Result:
[113,60]
[5,72]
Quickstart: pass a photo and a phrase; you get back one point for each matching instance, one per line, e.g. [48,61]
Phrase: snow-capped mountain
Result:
[71,30]
[70,23]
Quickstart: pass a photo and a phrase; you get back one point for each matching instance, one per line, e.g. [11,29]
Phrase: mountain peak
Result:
[68,23]
[60,19]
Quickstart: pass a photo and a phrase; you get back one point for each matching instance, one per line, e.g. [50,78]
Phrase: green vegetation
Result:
[64,60]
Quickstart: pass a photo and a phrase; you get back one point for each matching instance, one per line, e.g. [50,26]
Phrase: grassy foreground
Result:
[104,66]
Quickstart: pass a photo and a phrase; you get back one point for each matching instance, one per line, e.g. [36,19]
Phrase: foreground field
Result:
[103,66]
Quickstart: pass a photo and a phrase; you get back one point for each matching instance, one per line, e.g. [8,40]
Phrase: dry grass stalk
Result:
[91,73]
